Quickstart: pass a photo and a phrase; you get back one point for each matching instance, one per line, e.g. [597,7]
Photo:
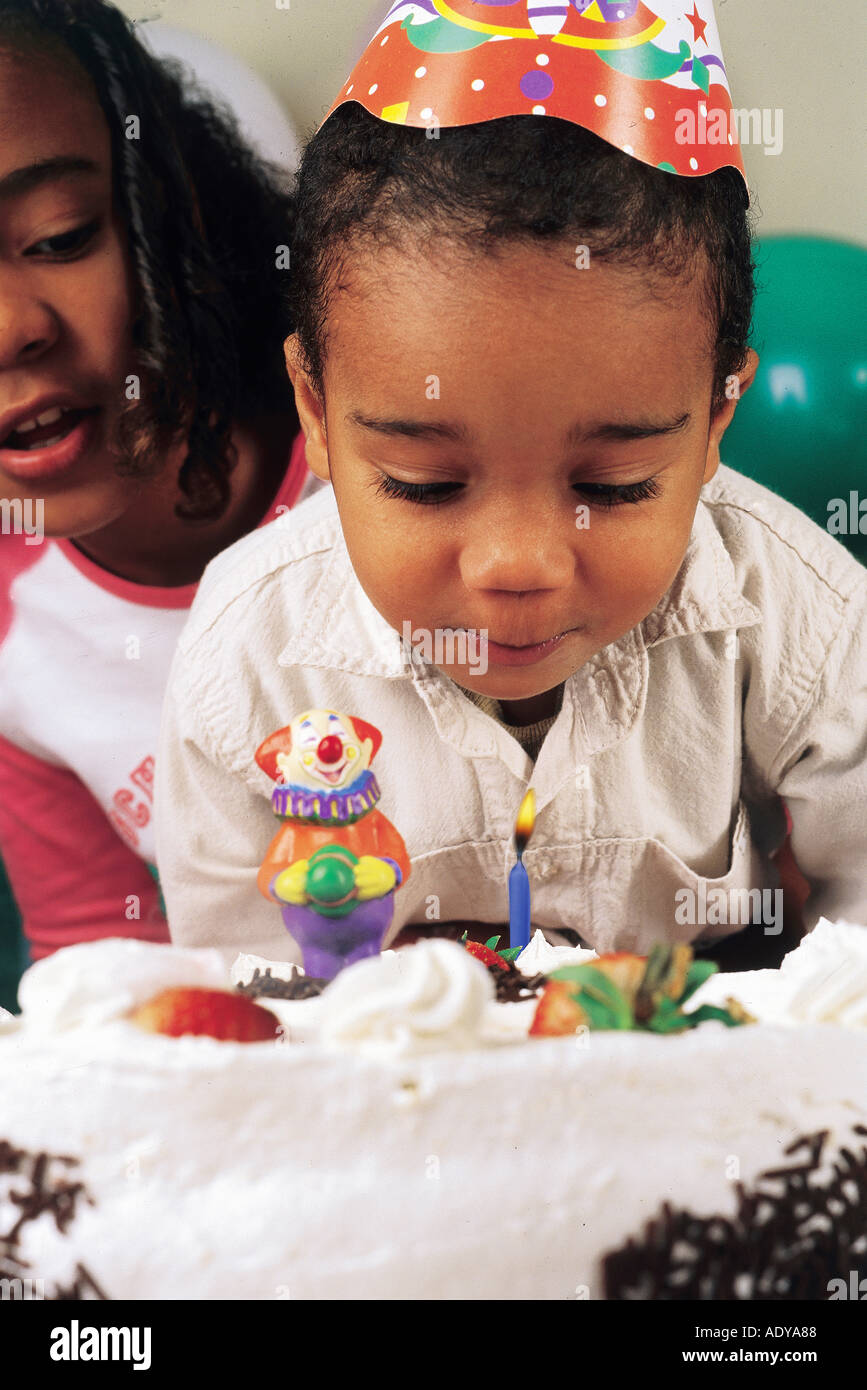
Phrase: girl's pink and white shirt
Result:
[84,660]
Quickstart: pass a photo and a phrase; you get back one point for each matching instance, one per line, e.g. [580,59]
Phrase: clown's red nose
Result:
[330,749]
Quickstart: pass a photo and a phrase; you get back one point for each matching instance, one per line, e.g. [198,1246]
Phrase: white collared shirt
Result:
[660,781]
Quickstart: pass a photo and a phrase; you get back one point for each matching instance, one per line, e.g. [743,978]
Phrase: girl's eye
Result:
[613,494]
[426,493]
[67,245]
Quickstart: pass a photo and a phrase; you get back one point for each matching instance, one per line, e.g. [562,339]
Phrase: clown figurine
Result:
[335,861]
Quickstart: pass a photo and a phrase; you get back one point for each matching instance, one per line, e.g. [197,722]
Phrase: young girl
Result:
[145,423]
[524,444]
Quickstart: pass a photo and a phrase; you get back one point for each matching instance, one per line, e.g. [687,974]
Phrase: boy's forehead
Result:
[523,319]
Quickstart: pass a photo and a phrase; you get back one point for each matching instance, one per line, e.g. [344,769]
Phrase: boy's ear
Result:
[724,416]
[311,411]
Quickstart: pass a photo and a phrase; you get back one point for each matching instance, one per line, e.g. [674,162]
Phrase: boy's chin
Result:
[507,687]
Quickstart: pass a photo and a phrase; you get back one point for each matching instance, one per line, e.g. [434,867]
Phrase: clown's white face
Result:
[326,751]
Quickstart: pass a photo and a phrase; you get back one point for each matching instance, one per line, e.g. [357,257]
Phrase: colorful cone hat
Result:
[650,81]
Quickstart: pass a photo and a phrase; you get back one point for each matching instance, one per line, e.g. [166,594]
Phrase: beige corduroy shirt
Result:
[659,785]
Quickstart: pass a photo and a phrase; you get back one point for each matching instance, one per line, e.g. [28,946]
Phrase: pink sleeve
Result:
[72,876]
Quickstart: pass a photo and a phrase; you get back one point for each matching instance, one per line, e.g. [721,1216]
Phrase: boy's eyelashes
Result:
[613,494]
[66,245]
[426,493]
[605,495]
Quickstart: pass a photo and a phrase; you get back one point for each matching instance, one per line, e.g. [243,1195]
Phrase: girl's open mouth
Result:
[51,443]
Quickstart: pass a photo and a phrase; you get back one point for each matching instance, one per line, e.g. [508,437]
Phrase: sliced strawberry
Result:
[557,1013]
[485,954]
[213,1013]
[623,969]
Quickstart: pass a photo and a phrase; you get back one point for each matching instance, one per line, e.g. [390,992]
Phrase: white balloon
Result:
[263,121]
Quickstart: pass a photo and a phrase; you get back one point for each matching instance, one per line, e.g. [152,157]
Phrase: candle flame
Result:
[526,820]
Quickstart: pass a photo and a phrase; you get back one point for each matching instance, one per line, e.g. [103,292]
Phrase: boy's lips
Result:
[523,654]
[505,654]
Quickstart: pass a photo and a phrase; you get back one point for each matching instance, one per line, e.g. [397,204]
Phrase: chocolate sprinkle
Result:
[268,986]
[46,1192]
[78,1289]
[790,1236]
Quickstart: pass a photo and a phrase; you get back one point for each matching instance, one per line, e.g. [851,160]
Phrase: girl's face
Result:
[66,295]
[516,446]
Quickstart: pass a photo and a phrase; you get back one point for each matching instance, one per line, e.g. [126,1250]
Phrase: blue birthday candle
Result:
[519,883]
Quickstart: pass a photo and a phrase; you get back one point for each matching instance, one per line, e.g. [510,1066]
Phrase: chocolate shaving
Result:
[268,986]
[46,1192]
[791,1235]
[512,986]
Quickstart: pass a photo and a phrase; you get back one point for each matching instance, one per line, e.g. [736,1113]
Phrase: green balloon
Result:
[330,881]
[800,428]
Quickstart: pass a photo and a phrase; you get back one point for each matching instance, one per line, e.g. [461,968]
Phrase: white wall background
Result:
[806,57]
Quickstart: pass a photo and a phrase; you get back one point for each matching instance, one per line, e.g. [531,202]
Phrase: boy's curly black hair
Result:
[205,218]
[521,178]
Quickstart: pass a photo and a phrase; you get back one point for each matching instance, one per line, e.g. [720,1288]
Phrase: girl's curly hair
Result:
[521,178]
[205,218]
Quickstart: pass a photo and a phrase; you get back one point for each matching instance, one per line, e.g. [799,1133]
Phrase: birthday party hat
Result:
[651,82]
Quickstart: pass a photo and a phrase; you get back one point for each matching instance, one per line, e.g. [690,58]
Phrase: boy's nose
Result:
[330,749]
[517,559]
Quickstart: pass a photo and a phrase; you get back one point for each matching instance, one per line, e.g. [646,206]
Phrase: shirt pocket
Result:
[626,895]
[618,894]
[457,883]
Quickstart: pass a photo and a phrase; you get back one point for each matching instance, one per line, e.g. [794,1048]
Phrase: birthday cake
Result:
[434,1125]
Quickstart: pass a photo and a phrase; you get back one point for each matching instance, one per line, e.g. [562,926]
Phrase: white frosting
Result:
[89,984]
[826,977]
[432,995]
[824,980]
[540,957]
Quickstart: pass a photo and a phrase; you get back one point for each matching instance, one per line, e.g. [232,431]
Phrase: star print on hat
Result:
[650,81]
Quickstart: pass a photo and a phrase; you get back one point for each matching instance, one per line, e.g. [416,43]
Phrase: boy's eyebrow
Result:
[410,429]
[31,176]
[423,429]
[634,429]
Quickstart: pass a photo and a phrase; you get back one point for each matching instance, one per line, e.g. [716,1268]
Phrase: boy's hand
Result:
[289,885]
[374,878]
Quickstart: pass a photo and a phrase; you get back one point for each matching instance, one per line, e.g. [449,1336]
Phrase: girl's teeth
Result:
[46,443]
[46,418]
[25,445]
